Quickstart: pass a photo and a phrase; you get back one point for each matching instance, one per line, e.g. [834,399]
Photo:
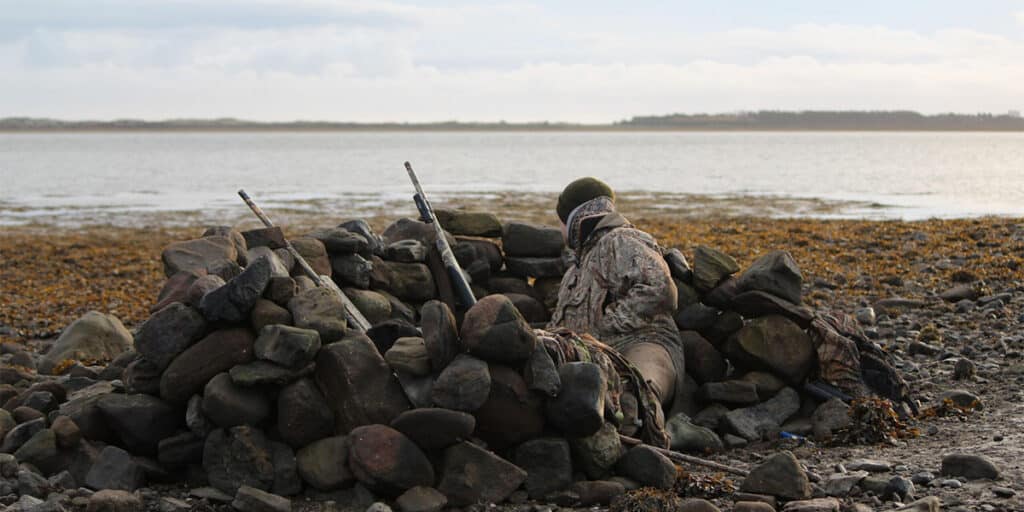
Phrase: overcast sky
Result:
[589,61]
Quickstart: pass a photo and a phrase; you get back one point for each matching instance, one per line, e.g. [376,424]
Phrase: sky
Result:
[578,61]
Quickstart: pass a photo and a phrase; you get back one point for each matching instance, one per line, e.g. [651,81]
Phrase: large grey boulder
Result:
[233,301]
[291,347]
[192,369]
[358,384]
[198,254]
[321,310]
[169,332]
[774,343]
[776,273]
[779,475]
[751,422]
[470,474]
[238,456]
[93,338]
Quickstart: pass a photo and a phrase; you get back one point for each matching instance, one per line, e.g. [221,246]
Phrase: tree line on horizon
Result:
[853,120]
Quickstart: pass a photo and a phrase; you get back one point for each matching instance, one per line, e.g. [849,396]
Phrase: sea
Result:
[133,178]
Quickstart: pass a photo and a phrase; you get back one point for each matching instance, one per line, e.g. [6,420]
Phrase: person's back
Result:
[620,289]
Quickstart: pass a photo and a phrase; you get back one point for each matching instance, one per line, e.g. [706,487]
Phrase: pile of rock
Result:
[246,377]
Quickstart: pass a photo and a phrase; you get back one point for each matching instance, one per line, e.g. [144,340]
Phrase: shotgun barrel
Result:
[352,314]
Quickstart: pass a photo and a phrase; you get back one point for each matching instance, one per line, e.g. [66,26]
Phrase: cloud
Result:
[378,61]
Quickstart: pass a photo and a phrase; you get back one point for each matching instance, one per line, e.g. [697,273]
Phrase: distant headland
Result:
[764,120]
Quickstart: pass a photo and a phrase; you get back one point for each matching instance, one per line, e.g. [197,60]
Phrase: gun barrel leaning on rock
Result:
[459,282]
[352,314]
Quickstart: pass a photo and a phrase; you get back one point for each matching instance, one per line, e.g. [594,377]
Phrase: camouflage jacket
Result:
[620,290]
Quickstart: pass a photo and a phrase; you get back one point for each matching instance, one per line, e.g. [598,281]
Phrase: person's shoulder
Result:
[628,236]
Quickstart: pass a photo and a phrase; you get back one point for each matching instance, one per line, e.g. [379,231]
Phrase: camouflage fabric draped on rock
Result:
[854,364]
[621,292]
[565,346]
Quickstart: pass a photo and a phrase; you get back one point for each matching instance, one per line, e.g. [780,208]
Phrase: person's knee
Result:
[655,365]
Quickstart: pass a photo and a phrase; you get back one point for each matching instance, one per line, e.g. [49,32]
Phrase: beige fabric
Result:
[621,292]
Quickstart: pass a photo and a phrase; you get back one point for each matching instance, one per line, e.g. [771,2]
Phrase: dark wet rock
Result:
[722,295]
[181,450]
[82,408]
[972,467]
[373,305]
[266,313]
[339,240]
[406,251]
[280,290]
[169,332]
[899,488]
[533,310]
[960,292]
[410,229]
[360,227]
[198,254]
[485,250]
[203,285]
[412,282]
[470,474]
[469,223]
[529,240]
[775,273]
[115,469]
[286,473]
[964,369]
[386,461]
[419,390]
[39,450]
[766,382]
[278,267]
[578,409]
[321,310]
[140,421]
[358,384]
[540,373]
[687,437]
[228,404]
[142,376]
[598,492]
[440,334]
[779,475]
[233,301]
[324,464]
[384,334]
[302,414]
[23,414]
[291,347]
[421,499]
[697,317]
[508,284]
[535,267]
[264,237]
[511,414]
[463,385]
[647,467]
[249,499]
[494,330]
[351,270]
[774,343]
[830,417]
[921,348]
[548,465]
[193,368]
[596,454]
[703,361]
[265,373]
[92,337]
[409,356]
[751,422]
[735,392]
[224,269]
[315,254]
[67,432]
[813,505]
[711,416]
[686,295]
[757,303]
[176,288]
[678,266]
[433,429]
[238,456]
[711,266]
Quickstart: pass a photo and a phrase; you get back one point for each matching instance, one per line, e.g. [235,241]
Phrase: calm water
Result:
[116,177]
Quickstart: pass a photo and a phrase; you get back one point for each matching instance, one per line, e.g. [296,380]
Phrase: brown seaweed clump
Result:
[693,485]
[646,499]
[873,421]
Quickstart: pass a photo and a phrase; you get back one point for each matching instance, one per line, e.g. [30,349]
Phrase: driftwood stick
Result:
[689,459]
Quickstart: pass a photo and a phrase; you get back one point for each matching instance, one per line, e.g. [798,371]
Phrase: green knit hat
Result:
[579,192]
